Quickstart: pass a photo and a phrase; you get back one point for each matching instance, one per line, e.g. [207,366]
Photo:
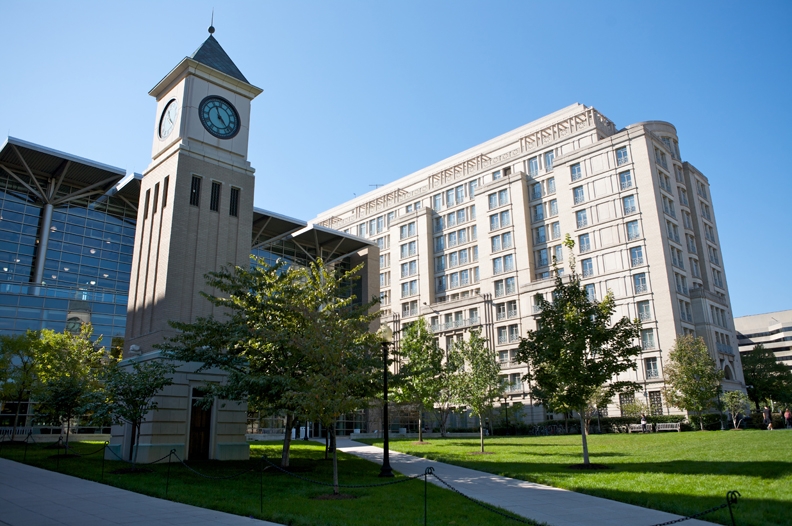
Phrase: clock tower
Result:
[195,215]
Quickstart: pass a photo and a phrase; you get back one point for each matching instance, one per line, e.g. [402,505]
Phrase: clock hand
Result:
[219,116]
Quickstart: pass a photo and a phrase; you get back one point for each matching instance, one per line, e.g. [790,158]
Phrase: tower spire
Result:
[211,24]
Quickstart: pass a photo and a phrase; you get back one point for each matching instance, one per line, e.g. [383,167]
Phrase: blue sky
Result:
[361,93]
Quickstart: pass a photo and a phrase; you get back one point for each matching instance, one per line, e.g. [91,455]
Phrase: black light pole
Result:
[387,336]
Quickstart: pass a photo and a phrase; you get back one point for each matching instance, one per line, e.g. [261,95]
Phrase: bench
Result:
[676,426]
[638,428]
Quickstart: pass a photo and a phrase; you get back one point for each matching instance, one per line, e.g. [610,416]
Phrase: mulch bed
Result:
[588,466]
[334,496]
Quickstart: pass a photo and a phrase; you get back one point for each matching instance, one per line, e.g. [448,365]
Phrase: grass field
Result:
[681,473]
[287,500]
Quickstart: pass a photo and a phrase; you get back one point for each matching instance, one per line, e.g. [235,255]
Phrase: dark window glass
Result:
[145,204]
[195,191]
[214,201]
[164,193]
[234,208]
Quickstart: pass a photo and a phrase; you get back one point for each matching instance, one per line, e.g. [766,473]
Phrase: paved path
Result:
[557,507]
[31,496]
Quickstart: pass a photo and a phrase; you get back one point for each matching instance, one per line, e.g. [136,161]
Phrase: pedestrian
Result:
[768,418]
[788,418]
[643,423]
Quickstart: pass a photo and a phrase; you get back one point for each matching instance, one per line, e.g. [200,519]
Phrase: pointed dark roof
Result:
[211,54]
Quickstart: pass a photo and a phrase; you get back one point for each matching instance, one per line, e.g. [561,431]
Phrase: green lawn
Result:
[682,473]
[287,500]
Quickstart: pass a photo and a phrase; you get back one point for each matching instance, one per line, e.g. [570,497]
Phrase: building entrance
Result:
[200,427]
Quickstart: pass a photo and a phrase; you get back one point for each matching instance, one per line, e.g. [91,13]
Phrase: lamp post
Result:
[386,334]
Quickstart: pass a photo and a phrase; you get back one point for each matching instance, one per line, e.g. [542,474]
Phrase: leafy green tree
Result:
[129,394]
[736,403]
[418,381]
[692,378]
[342,359]
[257,341]
[69,369]
[479,381]
[576,351]
[448,386]
[18,369]
[765,377]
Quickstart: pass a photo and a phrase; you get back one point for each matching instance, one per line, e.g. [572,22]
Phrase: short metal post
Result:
[731,498]
[428,471]
[167,478]
[104,454]
[59,444]
[261,487]
[24,457]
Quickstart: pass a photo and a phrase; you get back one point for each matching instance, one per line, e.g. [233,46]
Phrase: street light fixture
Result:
[386,335]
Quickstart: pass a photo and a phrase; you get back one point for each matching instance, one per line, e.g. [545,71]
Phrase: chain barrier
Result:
[226,477]
[731,499]
[485,506]
[306,479]
[731,496]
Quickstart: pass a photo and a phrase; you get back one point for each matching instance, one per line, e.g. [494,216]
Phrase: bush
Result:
[757,421]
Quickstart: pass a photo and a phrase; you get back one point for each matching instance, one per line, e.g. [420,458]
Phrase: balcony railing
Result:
[637,261]
[511,313]
[456,324]
[576,176]
[502,338]
[579,199]
[585,248]
[645,316]
[622,160]
[536,309]
[629,210]
[640,289]
[632,236]
[726,349]
[588,272]
[626,184]
[514,338]
[514,387]
[541,239]
[582,222]
[647,344]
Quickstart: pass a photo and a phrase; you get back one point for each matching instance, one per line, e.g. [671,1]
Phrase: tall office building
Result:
[772,330]
[469,242]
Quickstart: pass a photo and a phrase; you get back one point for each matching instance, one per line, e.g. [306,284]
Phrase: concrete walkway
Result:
[557,507]
[31,496]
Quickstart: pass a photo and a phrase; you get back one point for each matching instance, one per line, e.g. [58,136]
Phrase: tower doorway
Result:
[200,427]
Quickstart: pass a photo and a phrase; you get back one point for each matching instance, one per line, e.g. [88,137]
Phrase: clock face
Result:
[73,325]
[219,117]
[168,119]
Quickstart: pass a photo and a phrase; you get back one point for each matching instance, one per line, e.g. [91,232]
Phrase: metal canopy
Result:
[44,171]
[331,244]
[270,227]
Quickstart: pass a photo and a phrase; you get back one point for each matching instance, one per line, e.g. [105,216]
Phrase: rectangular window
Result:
[452,239]
[463,256]
[437,201]
[541,258]
[656,401]
[503,197]
[636,256]
[214,198]
[233,209]
[536,191]
[439,243]
[506,240]
[508,262]
[625,399]
[621,156]
[494,222]
[540,235]
[460,194]
[551,185]
[629,205]
[492,199]
[146,204]
[558,253]
[548,160]
[577,173]
[533,166]
[553,207]
[625,180]
[496,243]
[505,218]
[591,294]
[538,212]
[639,281]
[644,311]
[556,230]
[578,195]
[453,259]
[441,284]
[650,364]
[450,198]
[460,216]
[633,232]
[582,218]
[587,266]
[472,185]
[584,242]
[499,289]
[496,175]
[195,191]
[647,339]
[165,192]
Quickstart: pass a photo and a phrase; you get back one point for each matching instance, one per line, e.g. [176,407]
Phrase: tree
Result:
[256,343]
[479,381]
[342,359]
[129,395]
[576,351]
[18,369]
[692,378]
[68,370]
[418,381]
[765,377]
[736,403]
[601,398]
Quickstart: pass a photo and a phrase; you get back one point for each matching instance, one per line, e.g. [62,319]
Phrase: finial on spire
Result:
[211,24]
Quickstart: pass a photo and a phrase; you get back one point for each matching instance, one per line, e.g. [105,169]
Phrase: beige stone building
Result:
[773,330]
[469,241]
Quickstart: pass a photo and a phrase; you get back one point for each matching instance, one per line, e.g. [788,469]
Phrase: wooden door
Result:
[200,428]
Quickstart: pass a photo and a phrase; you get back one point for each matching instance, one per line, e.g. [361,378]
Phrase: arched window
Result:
[727,373]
